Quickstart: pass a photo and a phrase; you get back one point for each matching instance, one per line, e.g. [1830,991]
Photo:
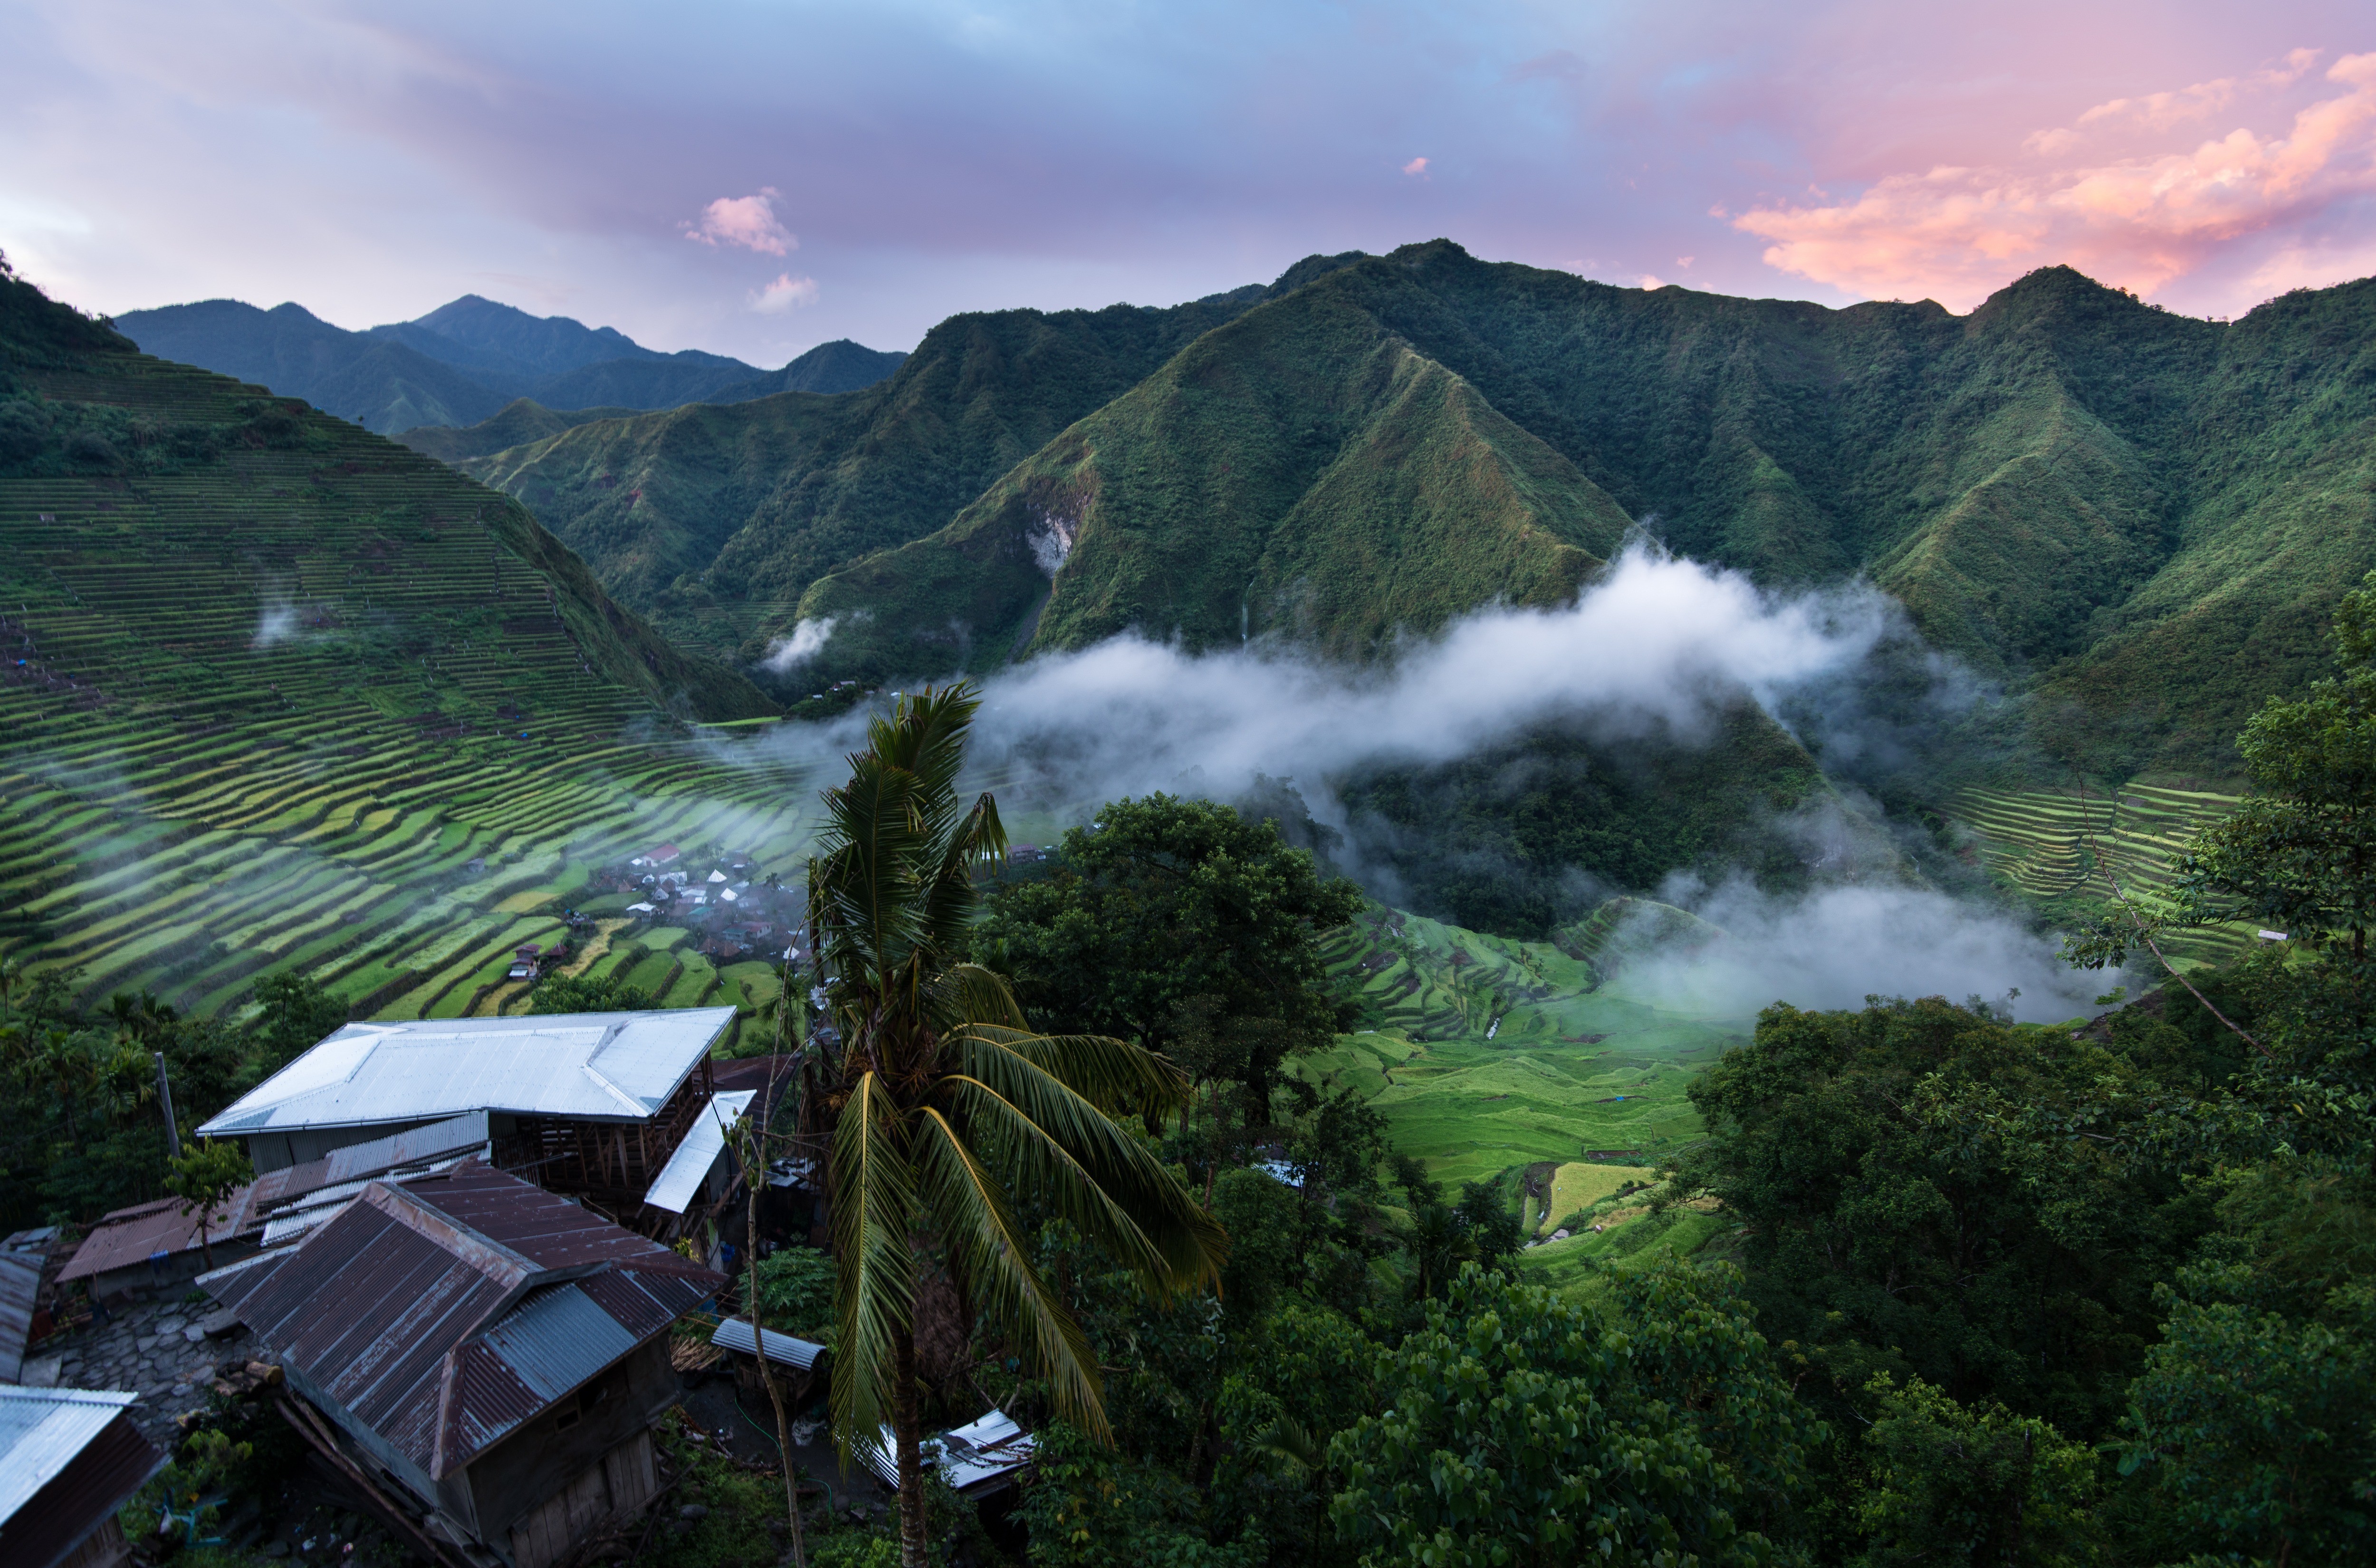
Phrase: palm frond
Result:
[968,1207]
[969,995]
[1044,1139]
[1102,1069]
[874,1213]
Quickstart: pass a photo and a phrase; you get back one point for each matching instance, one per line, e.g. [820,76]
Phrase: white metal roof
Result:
[680,1178]
[974,1456]
[734,1333]
[601,1067]
[42,1429]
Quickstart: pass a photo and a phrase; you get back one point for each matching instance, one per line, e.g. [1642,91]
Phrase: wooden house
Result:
[485,1356]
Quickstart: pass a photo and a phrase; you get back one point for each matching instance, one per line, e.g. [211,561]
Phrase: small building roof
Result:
[680,1178]
[130,1237]
[447,1312]
[734,1333]
[21,1287]
[980,1456]
[585,1067]
[68,1458]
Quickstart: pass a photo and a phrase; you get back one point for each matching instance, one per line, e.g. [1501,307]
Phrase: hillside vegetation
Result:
[279,694]
[2142,517]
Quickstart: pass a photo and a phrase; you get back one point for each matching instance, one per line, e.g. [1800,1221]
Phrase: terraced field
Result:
[304,699]
[1485,1053]
[2057,848]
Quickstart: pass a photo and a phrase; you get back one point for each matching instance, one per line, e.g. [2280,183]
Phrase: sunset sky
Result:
[755,178]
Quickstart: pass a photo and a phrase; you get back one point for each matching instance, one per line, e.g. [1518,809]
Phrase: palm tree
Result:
[938,1108]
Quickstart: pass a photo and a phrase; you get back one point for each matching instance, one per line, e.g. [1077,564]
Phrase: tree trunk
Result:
[907,1423]
[754,1170]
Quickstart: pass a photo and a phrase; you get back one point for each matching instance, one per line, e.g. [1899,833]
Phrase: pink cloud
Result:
[1416,166]
[784,294]
[747,221]
[2135,217]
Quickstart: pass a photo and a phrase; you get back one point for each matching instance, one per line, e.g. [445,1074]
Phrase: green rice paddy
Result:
[2064,849]
[1489,1053]
[318,706]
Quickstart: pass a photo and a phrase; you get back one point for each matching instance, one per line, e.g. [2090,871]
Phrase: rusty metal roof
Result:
[130,1237]
[68,1458]
[445,1310]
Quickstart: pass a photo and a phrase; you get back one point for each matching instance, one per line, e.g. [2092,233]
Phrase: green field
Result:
[1487,1055]
[2064,850]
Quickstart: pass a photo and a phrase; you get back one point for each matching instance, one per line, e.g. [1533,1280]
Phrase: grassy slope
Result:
[1487,1056]
[184,803]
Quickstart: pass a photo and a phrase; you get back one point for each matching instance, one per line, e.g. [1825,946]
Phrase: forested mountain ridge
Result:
[715,521]
[2144,518]
[463,362]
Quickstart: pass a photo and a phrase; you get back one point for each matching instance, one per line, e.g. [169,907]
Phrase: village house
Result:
[590,1104]
[69,1458]
[155,1247]
[485,1356]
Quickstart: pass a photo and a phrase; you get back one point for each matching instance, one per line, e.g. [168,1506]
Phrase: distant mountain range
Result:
[464,362]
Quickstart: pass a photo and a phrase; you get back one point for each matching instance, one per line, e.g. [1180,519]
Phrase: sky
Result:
[754,178]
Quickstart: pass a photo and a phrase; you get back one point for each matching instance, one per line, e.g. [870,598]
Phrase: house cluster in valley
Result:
[480,1259]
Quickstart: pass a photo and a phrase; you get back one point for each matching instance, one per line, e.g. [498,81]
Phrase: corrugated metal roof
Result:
[681,1177]
[42,1430]
[130,1237]
[68,1459]
[601,1067]
[415,1146]
[556,1339]
[975,1457]
[20,1285]
[445,1310]
[734,1333]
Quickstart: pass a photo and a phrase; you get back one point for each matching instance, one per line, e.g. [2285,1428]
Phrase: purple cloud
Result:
[748,223]
[937,156]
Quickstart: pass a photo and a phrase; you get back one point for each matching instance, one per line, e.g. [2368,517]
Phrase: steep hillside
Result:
[280,692]
[518,423]
[881,467]
[2142,517]
[463,362]
[1294,469]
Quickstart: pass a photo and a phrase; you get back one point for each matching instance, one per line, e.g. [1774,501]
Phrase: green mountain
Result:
[715,521]
[279,692]
[2142,518]
[465,360]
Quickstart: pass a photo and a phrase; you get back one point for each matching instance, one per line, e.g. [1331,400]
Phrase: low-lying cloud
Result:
[1659,648]
[808,639]
[1836,945]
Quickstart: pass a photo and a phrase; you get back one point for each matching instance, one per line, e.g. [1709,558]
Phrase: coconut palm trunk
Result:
[941,1111]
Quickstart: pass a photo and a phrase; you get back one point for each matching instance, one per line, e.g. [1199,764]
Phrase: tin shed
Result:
[495,1352]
